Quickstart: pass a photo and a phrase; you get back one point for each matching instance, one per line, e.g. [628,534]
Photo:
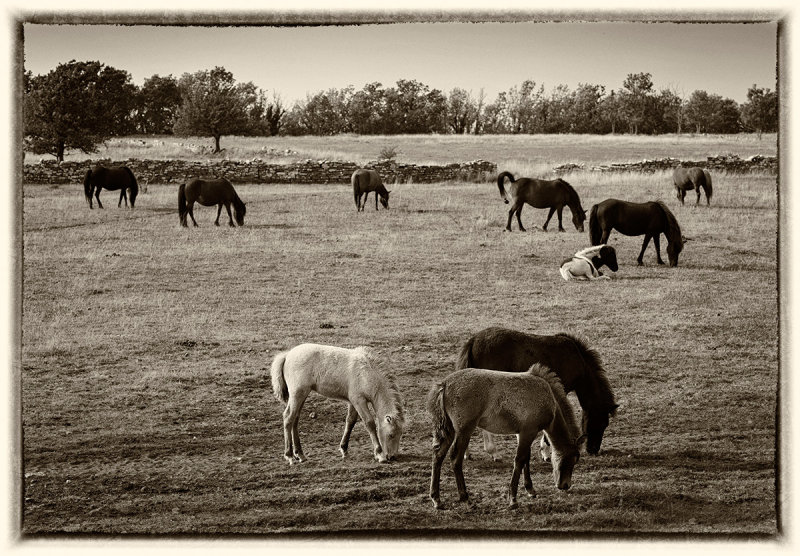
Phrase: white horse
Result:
[342,374]
[585,264]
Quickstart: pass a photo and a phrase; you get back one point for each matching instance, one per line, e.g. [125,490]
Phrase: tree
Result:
[213,104]
[760,112]
[462,111]
[366,109]
[709,113]
[637,88]
[159,100]
[76,106]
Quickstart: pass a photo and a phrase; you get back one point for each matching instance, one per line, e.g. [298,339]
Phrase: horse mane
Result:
[571,193]
[597,373]
[673,231]
[559,394]
[395,398]
[590,252]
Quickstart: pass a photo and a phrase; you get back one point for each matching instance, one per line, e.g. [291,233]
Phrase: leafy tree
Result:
[158,105]
[760,112]
[76,106]
[213,104]
[710,113]
[462,111]
[412,107]
[366,108]
[637,88]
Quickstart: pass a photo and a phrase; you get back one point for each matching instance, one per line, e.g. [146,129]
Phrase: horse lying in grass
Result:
[364,181]
[503,403]
[342,374]
[210,192]
[586,264]
[577,366]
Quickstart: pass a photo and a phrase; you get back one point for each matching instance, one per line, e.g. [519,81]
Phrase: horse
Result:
[364,181]
[634,219]
[577,366]
[111,178]
[210,192]
[586,264]
[552,194]
[343,374]
[686,179]
[503,403]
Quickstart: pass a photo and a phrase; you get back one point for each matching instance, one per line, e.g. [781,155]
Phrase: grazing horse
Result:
[585,264]
[503,403]
[552,194]
[112,178]
[686,179]
[364,181]
[208,193]
[343,374]
[577,366]
[650,219]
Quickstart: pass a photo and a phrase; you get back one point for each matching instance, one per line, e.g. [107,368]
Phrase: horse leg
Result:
[698,197]
[230,216]
[657,243]
[457,461]
[219,211]
[349,423]
[604,237]
[644,246]
[510,216]
[293,452]
[549,216]
[363,412]
[526,471]
[121,195]
[439,452]
[97,196]
[376,200]
[489,445]
[522,459]
[544,448]
[519,217]
[190,210]
[559,211]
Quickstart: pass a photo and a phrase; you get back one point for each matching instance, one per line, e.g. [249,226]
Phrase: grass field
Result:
[146,405]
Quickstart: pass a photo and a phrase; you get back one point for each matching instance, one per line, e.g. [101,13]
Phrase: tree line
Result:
[79,104]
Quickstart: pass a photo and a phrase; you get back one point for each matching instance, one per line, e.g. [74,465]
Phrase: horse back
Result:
[540,193]
[331,371]
[209,191]
[501,403]
[366,180]
[630,219]
[502,349]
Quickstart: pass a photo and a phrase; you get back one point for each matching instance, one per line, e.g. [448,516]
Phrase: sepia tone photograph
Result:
[468,274]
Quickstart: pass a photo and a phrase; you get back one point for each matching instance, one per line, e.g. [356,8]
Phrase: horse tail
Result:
[443,429]
[465,359]
[279,388]
[595,230]
[182,203]
[501,180]
[87,186]
[134,187]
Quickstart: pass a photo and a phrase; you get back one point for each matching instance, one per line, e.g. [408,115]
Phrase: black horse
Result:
[209,192]
[552,194]
[112,178]
[364,181]
[577,366]
[686,179]
[634,219]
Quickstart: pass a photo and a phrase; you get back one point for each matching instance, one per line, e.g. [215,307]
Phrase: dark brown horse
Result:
[650,219]
[210,192]
[364,181]
[686,179]
[552,194]
[577,366]
[112,178]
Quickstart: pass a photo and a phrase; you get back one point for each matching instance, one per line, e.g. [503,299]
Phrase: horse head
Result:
[239,211]
[578,218]
[564,461]
[385,200]
[674,249]
[390,430]
[609,257]
[595,422]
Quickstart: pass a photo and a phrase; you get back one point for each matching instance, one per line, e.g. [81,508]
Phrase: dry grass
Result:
[146,349]
[530,154]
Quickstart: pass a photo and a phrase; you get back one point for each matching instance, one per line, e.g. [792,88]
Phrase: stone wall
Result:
[257,171]
[727,163]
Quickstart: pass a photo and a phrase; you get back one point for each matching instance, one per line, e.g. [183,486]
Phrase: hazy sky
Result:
[722,58]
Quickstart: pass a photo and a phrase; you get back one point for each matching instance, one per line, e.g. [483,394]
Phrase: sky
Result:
[720,58]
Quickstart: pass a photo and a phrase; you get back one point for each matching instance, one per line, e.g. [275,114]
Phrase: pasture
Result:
[146,347]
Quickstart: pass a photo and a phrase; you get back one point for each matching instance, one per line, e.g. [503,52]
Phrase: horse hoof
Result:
[438,505]
[531,494]
[513,505]
[299,458]
[639,263]
[343,452]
